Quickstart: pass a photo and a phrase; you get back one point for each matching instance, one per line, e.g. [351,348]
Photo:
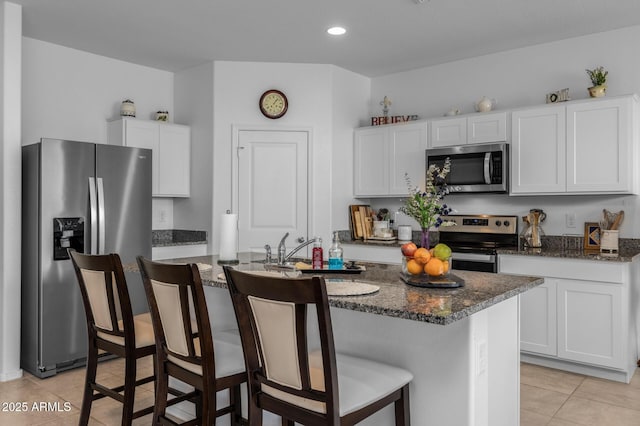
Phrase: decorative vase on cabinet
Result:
[598,91]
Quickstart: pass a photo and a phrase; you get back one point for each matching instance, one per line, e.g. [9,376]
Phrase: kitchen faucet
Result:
[282,249]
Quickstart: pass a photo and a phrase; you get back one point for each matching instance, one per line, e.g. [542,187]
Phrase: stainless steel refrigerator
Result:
[96,199]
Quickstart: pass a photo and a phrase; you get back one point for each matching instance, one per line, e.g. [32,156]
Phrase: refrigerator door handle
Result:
[93,207]
[101,224]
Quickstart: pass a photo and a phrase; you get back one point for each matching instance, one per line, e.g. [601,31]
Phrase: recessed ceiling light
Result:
[336,30]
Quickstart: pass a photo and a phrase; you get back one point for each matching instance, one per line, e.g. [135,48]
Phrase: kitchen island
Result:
[462,345]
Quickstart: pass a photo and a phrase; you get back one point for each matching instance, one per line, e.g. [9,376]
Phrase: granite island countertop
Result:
[395,298]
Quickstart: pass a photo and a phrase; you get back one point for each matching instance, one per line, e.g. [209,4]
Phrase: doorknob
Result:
[300,240]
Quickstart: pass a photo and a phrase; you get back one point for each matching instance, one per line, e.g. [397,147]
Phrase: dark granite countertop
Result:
[622,256]
[395,298]
[570,247]
[566,247]
[177,237]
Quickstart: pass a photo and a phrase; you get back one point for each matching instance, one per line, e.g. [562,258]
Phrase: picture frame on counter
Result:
[591,236]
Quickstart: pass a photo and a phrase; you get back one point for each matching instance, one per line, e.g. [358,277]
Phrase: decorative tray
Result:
[326,270]
[427,281]
[385,239]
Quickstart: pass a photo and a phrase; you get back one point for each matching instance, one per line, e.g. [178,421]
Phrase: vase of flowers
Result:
[598,78]
[427,206]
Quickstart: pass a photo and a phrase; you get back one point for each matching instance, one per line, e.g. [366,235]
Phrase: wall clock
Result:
[273,104]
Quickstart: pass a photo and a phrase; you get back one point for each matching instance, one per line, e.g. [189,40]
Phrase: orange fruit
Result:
[422,256]
[445,264]
[435,267]
[413,267]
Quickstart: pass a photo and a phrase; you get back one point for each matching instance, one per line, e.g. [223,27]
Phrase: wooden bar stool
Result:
[317,388]
[112,328]
[186,350]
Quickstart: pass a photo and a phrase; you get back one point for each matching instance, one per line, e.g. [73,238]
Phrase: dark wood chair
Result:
[186,348]
[112,328]
[311,388]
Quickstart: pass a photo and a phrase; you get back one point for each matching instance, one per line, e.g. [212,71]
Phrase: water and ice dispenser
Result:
[68,232]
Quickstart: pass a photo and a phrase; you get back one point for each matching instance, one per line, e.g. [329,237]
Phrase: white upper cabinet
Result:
[476,128]
[171,146]
[599,146]
[584,147]
[538,150]
[382,156]
[448,132]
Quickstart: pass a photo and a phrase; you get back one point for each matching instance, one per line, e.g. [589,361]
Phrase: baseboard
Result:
[587,370]
[7,377]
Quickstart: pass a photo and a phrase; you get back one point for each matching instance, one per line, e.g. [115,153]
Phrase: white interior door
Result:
[272,188]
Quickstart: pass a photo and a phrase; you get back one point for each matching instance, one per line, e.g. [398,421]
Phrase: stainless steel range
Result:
[474,240]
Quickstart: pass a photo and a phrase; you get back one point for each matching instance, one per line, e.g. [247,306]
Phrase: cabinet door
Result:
[590,322]
[145,134]
[538,319]
[599,148]
[538,157]
[408,143]
[371,162]
[448,132]
[490,127]
[174,161]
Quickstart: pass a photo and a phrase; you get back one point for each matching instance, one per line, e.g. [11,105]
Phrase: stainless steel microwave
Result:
[474,168]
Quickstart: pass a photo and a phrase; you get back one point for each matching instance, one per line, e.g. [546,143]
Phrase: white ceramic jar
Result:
[128,108]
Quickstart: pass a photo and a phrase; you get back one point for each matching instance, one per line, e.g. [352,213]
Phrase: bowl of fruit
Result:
[428,267]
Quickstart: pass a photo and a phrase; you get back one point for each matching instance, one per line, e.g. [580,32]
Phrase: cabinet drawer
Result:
[577,269]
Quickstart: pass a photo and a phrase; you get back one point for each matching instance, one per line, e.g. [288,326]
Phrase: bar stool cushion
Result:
[143,331]
[360,382]
[228,352]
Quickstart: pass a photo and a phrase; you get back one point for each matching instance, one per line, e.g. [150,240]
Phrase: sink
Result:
[287,266]
[273,266]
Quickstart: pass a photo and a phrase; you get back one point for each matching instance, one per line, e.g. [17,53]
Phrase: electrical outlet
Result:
[571,220]
[481,357]
[163,216]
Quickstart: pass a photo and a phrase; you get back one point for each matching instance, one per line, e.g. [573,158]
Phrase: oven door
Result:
[481,262]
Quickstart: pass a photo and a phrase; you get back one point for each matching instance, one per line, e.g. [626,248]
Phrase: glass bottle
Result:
[316,253]
[335,253]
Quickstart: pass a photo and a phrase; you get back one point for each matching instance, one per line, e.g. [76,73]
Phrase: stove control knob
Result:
[506,223]
[498,223]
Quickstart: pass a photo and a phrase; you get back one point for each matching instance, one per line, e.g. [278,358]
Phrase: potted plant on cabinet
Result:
[598,78]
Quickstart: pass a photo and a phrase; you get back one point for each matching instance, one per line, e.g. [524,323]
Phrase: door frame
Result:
[235,140]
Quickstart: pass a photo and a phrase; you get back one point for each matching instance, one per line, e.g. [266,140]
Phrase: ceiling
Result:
[384,36]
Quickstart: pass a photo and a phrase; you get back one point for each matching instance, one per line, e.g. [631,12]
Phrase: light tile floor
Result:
[557,398]
[548,398]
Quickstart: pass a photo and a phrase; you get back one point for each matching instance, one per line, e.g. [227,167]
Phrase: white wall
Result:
[194,106]
[515,78]
[10,172]
[70,94]
[350,102]
[310,89]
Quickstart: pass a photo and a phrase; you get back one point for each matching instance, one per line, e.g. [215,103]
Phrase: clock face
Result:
[273,104]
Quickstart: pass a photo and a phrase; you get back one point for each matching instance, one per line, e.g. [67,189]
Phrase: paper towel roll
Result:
[229,237]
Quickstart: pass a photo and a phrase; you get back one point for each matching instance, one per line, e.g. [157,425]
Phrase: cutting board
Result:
[361,221]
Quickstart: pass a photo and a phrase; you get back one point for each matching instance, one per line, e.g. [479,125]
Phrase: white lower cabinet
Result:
[590,322]
[539,332]
[582,319]
[372,253]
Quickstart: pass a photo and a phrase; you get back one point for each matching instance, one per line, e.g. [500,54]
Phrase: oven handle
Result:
[475,257]
[487,168]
